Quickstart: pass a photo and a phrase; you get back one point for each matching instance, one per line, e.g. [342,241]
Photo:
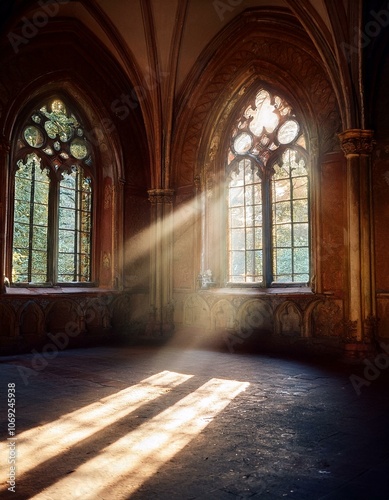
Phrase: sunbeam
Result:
[122,467]
[47,441]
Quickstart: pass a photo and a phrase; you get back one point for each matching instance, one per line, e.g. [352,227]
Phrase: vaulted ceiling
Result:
[159,44]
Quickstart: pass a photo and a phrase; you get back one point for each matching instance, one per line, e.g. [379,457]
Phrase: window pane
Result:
[237,239]
[67,218]
[249,195]
[236,197]
[39,263]
[29,262]
[66,264]
[250,263]
[20,265]
[258,215]
[281,190]
[290,221]
[301,278]
[301,235]
[283,262]
[282,212]
[300,188]
[237,264]
[249,239]
[245,231]
[75,205]
[258,238]
[283,235]
[236,179]
[300,210]
[40,213]
[67,198]
[20,235]
[66,240]
[39,239]
[301,260]
[22,211]
[237,217]
[258,265]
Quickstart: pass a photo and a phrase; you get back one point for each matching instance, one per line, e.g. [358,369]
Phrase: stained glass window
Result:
[52,220]
[268,195]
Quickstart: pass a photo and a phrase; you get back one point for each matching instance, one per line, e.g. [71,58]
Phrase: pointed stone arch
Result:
[223,316]
[197,312]
[31,320]
[64,316]
[289,320]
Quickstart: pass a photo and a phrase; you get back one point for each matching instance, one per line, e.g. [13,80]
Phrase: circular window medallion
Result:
[243,143]
[78,149]
[33,136]
[288,132]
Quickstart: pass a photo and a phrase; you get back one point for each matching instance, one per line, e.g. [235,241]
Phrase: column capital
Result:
[355,142]
[160,195]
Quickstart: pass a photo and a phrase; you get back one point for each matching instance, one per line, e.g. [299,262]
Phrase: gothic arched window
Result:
[52,211]
[268,195]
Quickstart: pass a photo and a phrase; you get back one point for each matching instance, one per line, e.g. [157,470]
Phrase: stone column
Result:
[161,255]
[4,169]
[357,146]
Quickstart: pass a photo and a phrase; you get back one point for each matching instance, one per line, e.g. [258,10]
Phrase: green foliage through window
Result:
[52,220]
[268,195]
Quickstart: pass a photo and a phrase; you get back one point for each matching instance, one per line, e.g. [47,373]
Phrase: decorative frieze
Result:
[160,196]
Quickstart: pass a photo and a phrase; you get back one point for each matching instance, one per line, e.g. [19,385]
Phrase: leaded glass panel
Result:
[268,195]
[52,199]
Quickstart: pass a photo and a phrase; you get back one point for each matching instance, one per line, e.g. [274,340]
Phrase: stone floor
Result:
[173,423]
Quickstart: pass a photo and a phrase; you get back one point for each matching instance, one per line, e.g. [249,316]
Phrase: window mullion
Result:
[77,228]
[52,233]
[267,232]
[31,225]
[292,225]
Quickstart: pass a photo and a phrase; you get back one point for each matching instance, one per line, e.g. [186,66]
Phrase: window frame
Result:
[265,181]
[89,171]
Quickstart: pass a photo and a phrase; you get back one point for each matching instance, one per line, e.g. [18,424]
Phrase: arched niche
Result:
[7,321]
[197,312]
[223,316]
[31,320]
[64,315]
[288,320]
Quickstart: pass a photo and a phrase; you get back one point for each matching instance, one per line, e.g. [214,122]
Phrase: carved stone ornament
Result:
[350,329]
[356,142]
[106,260]
[108,196]
[160,195]
[245,58]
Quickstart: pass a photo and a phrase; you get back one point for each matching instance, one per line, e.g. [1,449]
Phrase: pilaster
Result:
[161,273]
[357,146]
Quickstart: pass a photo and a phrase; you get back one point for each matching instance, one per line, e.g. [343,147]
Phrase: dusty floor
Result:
[171,423]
